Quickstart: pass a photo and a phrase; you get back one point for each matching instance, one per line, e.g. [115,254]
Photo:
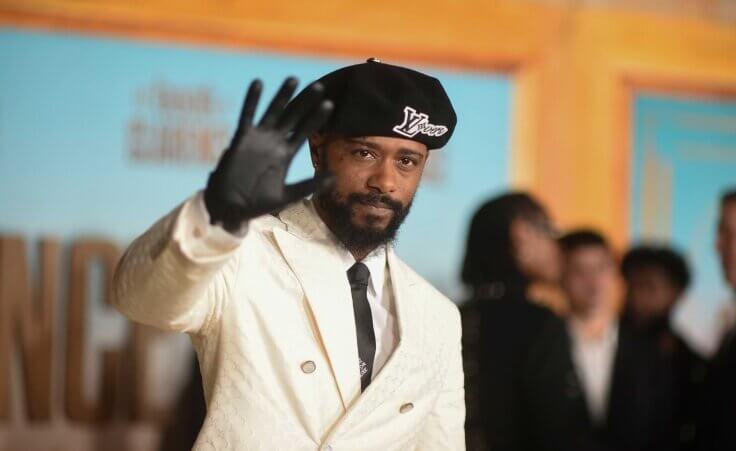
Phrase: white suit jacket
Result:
[271,319]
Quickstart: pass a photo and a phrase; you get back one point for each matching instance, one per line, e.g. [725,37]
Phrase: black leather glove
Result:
[249,179]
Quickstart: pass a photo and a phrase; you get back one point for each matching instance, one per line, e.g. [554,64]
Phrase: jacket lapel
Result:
[621,386]
[311,254]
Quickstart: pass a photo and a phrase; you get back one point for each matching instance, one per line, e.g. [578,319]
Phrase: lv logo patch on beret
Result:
[415,122]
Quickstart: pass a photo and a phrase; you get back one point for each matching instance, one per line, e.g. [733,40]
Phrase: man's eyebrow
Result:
[363,142]
[404,151]
[371,145]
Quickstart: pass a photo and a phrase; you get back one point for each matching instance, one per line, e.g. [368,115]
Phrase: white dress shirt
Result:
[380,299]
[593,360]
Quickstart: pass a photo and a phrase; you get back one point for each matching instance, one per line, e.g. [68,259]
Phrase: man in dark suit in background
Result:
[718,428]
[595,384]
[656,280]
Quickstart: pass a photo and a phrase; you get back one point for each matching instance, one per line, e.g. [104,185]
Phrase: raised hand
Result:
[249,179]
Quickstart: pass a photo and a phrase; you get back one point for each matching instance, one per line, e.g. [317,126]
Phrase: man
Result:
[656,279]
[620,403]
[717,430]
[310,332]
[511,244]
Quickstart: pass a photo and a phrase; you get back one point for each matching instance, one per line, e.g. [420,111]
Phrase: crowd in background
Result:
[610,373]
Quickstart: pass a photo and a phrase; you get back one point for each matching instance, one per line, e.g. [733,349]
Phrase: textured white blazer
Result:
[271,318]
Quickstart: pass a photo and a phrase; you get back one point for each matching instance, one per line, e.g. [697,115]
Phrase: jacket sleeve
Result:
[444,429]
[178,275]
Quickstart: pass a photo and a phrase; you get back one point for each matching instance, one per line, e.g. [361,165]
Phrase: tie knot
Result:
[358,275]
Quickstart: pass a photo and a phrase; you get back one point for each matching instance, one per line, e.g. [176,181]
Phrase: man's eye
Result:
[363,153]
[407,161]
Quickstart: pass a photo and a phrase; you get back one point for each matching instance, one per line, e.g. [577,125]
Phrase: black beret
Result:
[377,99]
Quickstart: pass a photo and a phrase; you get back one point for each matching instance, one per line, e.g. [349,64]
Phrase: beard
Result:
[357,237]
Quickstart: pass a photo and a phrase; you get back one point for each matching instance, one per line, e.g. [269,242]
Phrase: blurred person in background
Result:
[718,431]
[617,399]
[511,244]
[656,280]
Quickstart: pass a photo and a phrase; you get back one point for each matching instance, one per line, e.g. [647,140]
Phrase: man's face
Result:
[726,242]
[375,182]
[651,293]
[589,279]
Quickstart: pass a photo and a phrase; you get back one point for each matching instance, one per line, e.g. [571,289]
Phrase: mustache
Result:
[376,200]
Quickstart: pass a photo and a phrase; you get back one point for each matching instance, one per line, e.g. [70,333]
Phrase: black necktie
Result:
[358,275]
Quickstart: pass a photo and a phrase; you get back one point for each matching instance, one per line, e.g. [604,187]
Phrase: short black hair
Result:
[578,238]
[728,196]
[665,258]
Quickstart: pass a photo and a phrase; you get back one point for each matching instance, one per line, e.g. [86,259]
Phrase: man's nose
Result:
[383,178]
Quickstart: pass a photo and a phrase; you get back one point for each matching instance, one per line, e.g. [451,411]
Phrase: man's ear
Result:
[316,141]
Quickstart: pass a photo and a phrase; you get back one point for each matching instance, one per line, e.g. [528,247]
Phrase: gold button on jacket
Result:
[308,367]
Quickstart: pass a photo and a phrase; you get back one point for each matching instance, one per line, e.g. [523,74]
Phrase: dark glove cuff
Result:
[230,217]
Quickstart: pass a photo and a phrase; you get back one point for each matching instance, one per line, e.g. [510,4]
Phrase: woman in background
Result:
[511,244]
